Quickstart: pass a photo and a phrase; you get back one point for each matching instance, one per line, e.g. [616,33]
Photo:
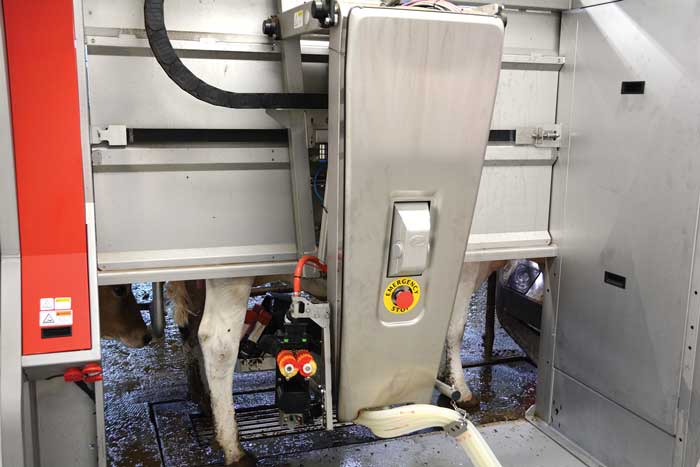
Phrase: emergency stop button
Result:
[401,295]
[404,299]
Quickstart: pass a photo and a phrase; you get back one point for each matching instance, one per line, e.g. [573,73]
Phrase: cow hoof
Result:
[246,461]
[469,404]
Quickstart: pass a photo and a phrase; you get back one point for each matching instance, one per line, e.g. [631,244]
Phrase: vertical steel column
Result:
[290,51]
[157,311]
[11,431]
[490,321]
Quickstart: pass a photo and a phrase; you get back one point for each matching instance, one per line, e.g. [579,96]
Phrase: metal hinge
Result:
[114,135]
[543,136]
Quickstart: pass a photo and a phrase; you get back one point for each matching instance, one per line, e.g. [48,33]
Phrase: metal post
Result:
[156,311]
[290,51]
[490,321]
[328,375]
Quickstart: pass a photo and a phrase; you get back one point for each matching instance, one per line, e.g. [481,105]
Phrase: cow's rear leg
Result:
[219,336]
[472,276]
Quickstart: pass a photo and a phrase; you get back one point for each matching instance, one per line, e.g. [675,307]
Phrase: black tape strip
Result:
[183,77]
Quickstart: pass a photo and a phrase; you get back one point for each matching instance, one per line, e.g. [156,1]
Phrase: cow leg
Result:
[472,276]
[219,336]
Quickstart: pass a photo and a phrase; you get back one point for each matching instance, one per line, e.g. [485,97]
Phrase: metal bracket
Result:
[114,135]
[307,18]
[542,136]
[456,428]
[316,127]
[320,313]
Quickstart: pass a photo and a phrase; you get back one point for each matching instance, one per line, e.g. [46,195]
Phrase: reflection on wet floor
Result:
[150,423]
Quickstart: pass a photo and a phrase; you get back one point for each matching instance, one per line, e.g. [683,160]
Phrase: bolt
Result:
[270,27]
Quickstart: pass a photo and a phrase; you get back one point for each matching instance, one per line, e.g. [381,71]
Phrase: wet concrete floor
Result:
[150,423]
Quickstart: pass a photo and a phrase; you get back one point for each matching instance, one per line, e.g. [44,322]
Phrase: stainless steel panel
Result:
[134,91]
[525,98]
[529,4]
[609,433]
[512,208]
[10,362]
[94,353]
[401,139]
[493,254]
[532,32]
[545,375]
[67,425]
[11,429]
[217,271]
[240,16]
[9,224]
[293,78]
[692,435]
[631,208]
[192,206]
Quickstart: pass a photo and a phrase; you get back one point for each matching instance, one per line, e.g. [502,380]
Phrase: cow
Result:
[212,312]
[215,312]
[120,316]
[451,372]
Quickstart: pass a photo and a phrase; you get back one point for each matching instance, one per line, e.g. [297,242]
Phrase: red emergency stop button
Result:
[404,299]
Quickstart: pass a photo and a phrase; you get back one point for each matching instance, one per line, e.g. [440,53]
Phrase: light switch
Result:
[410,239]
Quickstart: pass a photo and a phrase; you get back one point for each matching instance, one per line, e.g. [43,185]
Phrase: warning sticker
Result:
[62,303]
[52,318]
[298,19]
[46,303]
[401,295]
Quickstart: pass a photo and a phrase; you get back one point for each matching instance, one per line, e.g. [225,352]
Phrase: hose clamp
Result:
[456,428]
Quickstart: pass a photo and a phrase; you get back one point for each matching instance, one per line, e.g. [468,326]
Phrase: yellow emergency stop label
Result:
[395,287]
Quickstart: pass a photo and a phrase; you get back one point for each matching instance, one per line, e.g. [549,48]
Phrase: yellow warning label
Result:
[400,292]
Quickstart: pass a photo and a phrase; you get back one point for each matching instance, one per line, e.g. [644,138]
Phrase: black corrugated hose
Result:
[183,77]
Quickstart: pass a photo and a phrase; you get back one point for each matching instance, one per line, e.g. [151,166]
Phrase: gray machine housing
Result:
[393,142]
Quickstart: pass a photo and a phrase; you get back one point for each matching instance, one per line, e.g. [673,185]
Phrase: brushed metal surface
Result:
[609,433]
[416,129]
[631,209]
[191,206]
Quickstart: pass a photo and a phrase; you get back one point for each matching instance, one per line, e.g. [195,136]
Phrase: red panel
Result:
[48,163]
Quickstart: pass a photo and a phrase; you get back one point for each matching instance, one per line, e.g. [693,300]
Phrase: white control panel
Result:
[410,239]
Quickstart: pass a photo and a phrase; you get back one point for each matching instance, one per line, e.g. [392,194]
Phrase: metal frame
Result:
[295,121]
[11,379]
[683,435]
[320,314]
[128,276]
[552,5]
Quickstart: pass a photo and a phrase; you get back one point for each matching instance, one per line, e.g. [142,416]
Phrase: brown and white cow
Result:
[120,316]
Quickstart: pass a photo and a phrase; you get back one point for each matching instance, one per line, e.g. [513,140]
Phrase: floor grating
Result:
[254,423]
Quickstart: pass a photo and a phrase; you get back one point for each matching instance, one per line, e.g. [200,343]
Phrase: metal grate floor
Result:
[254,423]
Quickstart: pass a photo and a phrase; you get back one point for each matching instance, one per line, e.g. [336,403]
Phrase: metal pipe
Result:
[448,391]
[157,311]
[490,321]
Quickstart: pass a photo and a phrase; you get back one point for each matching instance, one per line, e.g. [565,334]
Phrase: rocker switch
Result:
[410,239]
